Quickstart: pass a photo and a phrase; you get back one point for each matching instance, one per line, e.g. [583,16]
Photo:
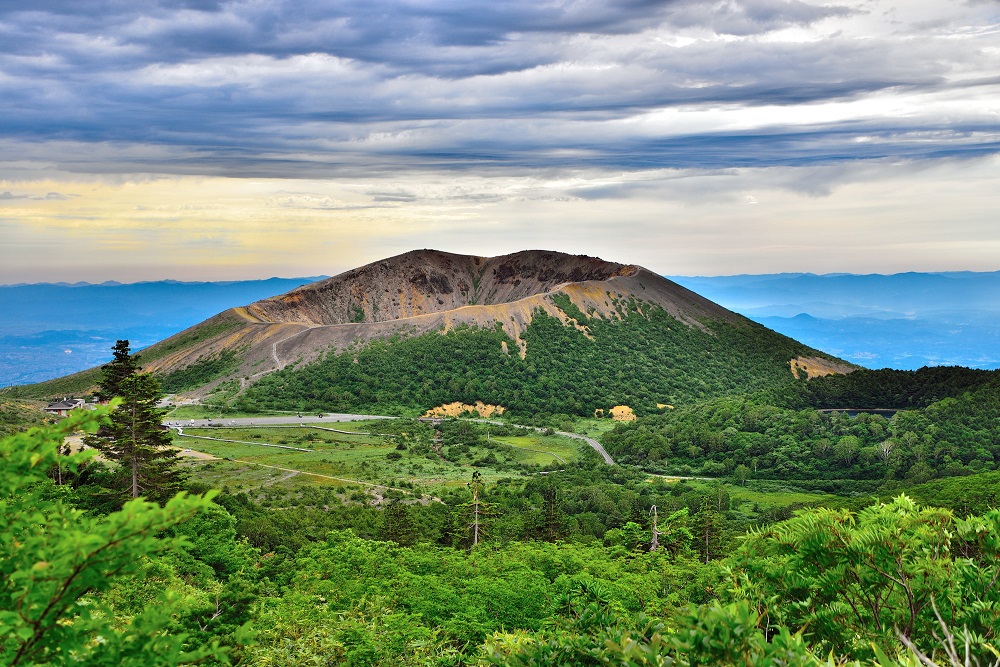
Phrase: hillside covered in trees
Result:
[644,359]
[756,513]
[946,424]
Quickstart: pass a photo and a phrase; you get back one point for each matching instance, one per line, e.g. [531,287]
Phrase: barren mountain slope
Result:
[419,292]
[428,281]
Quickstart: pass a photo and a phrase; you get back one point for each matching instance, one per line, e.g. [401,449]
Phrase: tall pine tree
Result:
[134,437]
[398,526]
[113,373]
[552,517]
[709,528]
[470,520]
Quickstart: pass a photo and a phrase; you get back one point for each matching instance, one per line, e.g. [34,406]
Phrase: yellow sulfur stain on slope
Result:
[622,413]
[457,409]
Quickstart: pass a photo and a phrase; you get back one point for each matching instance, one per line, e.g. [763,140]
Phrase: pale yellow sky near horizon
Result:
[224,141]
[870,217]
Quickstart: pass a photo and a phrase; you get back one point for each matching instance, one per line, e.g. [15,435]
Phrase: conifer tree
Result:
[133,436]
[552,517]
[473,517]
[398,524]
[115,371]
[709,528]
[654,543]
[477,507]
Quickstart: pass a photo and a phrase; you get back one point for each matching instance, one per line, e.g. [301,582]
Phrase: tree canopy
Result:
[55,562]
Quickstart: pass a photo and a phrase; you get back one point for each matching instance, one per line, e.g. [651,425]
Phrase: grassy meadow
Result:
[410,457]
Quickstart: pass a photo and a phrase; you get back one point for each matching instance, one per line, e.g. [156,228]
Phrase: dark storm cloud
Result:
[279,88]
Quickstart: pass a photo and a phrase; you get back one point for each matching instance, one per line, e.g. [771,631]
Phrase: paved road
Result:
[180,431]
[593,443]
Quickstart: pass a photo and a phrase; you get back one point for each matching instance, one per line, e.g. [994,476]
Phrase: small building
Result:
[60,408]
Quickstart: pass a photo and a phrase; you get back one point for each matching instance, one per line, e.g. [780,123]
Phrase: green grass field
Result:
[272,457]
[542,450]
[234,476]
[772,499]
[594,428]
[359,466]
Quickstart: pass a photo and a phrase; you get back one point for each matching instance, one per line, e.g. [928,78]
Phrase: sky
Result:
[206,140]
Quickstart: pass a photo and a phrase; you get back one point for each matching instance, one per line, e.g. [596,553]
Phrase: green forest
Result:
[644,359]
[563,573]
[749,437]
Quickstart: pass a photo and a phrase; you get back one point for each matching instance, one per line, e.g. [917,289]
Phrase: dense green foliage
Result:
[19,415]
[886,388]
[890,570]
[975,494]
[366,602]
[954,436]
[643,359]
[564,575]
[201,372]
[55,563]
[823,588]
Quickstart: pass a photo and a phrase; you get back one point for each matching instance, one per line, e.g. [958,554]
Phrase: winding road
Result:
[274,346]
[593,443]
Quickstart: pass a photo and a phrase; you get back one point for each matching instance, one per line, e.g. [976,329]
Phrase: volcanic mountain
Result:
[428,326]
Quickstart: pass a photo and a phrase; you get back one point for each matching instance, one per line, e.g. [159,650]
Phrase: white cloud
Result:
[503,122]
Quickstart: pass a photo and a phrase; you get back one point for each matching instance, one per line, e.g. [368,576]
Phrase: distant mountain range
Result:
[902,321]
[53,329]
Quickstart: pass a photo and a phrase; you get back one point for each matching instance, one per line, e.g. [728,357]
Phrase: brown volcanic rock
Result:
[420,292]
[428,281]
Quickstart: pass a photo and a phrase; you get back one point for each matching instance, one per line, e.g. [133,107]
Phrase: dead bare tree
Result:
[655,543]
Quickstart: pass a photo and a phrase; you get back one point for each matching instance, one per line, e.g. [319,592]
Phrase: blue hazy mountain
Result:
[904,320]
[49,330]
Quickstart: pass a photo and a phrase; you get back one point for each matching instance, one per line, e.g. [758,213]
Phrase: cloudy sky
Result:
[222,140]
